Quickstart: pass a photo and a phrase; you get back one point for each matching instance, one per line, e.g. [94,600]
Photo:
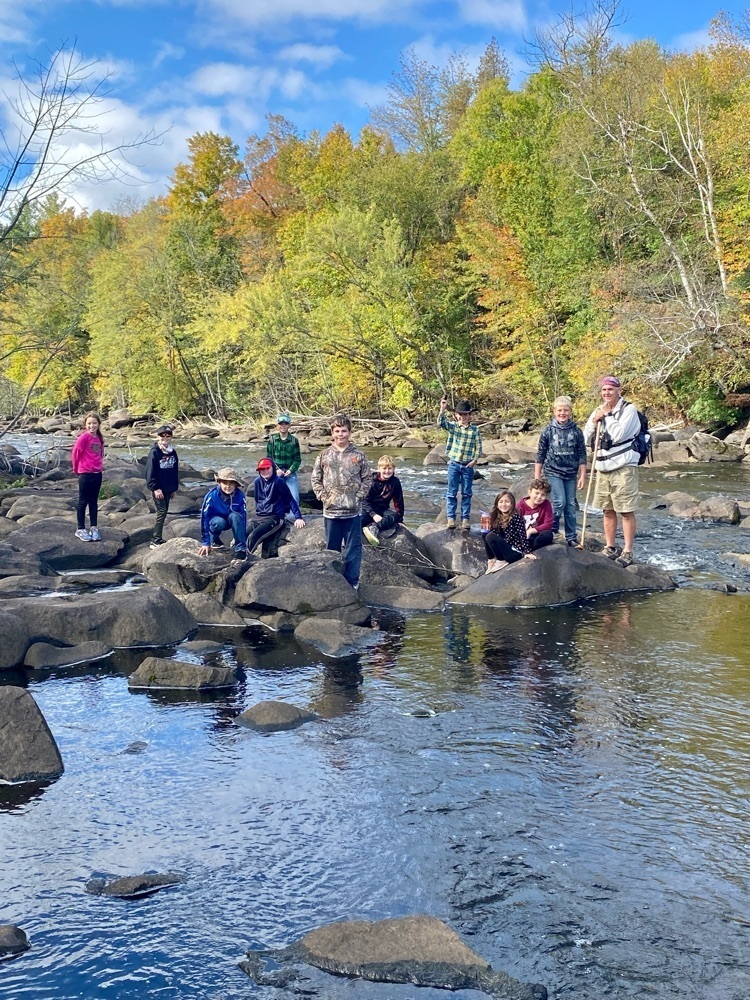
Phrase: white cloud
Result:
[692,40]
[251,82]
[502,15]
[321,56]
[167,51]
[265,12]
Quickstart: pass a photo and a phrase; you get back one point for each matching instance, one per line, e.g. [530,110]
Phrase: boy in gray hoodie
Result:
[561,458]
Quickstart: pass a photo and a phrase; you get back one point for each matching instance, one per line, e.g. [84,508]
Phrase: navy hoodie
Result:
[273,498]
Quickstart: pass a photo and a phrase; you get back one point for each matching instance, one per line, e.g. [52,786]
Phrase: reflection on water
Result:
[567,788]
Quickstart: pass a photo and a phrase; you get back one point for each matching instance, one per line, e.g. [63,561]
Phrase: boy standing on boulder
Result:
[561,459]
[162,478]
[283,450]
[341,479]
[463,448]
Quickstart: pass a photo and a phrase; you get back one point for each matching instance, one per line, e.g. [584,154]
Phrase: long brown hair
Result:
[497,518]
[95,415]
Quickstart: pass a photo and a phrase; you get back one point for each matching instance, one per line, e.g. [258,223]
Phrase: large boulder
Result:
[436,456]
[160,672]
[144,616]
[274,716]
[559,575]
[43,655]
[54,541]
[18,562]
[208,610]
[401,598]
[177,566]
[717,509]
[305,585]
[336,639]
[456,551]
[28,751]
[420,950]
[707,448]
[41,506]
[14,640]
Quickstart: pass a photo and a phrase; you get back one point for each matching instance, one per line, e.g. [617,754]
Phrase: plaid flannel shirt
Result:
[464,443]
[285,454]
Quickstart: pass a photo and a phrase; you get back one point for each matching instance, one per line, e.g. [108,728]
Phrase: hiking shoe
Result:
[610,552]
[572,542]
[83,535]
[218,544]
[466,524]
[95,536]
[451,525]
[156,543]
[371,534]
[626,559]
[240,553]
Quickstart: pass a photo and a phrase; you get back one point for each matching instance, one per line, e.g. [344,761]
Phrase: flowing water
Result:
[567,788]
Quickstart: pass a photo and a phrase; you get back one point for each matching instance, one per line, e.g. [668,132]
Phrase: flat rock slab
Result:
[274,716]
[134,886]
[43,654]
[13,941]
[144,616]
[336,639]
[14,640]
[420,950]
[54,541]
[28,751]
[560,575]
[159,672]
[201,647]
[16,561]
[401,598]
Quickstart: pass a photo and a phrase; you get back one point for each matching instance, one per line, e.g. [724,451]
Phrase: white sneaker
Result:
[95,536]
[83,535]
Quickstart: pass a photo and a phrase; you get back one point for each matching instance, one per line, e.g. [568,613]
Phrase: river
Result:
[567,788]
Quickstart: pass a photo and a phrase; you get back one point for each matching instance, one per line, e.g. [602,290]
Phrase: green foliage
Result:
[108,490]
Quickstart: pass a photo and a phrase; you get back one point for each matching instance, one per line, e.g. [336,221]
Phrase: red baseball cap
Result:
[265,463]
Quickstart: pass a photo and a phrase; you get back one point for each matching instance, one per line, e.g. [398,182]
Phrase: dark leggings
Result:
[497,548]
[388,520]
[260,529]
[162,507]
[89,484]
[540,539]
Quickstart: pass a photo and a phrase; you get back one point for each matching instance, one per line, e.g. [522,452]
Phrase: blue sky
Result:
[182,66]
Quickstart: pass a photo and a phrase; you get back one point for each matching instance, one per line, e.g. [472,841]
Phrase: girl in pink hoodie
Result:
[88,459]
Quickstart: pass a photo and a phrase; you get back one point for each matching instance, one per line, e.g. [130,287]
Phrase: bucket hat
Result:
[228,475]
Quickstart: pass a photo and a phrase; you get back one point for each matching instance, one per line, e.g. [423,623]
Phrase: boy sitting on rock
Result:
[385,489]
[538,515]
[273,501]
[223,508]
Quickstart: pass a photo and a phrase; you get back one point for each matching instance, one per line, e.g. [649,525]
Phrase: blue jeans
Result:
[346,531]
[293,484]
[460,477]
[236,522]
[564,502]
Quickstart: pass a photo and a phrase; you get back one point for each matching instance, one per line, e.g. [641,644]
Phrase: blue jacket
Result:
[217,503]
[562,449]
[273,498]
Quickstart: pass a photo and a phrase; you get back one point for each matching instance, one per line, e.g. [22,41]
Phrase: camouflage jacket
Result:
[342,480]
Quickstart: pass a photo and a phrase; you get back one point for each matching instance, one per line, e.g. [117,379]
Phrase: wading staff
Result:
[588,491]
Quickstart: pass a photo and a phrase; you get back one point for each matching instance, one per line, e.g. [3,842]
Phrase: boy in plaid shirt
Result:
[283,449]
[462,450]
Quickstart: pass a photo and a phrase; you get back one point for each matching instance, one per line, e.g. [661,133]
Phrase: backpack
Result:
[642,441]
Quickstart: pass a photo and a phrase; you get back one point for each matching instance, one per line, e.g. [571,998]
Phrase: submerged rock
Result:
[336,639]
[13,941]
[560,575]
[43,654]
[28,751]
[274,716]
[134,886]
[420,950]
[158,672]
[401,598]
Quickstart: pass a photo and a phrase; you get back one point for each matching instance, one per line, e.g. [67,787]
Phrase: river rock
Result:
[28,751]
[201,647]
[745,522]
[401,598]
[183,527]
[29,586]
[560,575]
[457,551]
[53,540]
[138,529]
[336,639]
[41,655]
[145,616]
[13,941]
[120,418]
[420,950]
[207,610]
[274,716]
[718,510]
[741,559]
[14,640]
[435,456]
[177,566]
[16,561]
[672,453]
[305,585]
[41,506]
[706,448]
[134,886]
[158,672]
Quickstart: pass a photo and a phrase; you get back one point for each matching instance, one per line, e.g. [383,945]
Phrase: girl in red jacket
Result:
[88,460]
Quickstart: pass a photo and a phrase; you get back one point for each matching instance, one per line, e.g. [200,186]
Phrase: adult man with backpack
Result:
[618,424]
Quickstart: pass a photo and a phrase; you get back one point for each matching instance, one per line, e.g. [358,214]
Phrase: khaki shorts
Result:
[617,490]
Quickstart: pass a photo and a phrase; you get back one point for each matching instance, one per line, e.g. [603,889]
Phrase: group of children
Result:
[355,499]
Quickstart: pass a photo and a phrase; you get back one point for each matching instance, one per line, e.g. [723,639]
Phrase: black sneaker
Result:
[218,544]
[240,553]
[156,543]
[572,542]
